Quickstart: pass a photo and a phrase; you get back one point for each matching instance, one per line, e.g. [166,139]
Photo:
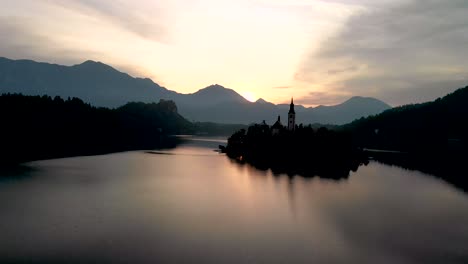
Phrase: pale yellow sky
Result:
[250,46]
[318,51]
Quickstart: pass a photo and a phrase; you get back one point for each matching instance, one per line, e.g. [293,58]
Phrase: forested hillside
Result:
[39,127]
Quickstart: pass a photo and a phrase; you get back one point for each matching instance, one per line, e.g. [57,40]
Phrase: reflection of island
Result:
[295,149]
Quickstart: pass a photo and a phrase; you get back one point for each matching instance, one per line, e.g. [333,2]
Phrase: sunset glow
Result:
[321,51]
[249,96]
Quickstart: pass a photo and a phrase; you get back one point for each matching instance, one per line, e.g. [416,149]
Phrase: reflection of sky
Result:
[147,208]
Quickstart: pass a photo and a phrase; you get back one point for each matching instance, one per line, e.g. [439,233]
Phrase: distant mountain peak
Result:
[361,99]
[219,94]
[262,101]
[357,98]
[92,63]
[214,87]
[97,66]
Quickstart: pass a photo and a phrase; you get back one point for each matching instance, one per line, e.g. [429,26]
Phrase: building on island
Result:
[264,127]
[291,116]
[277,127]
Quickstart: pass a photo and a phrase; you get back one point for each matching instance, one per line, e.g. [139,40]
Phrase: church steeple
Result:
[291,116]
[291,107]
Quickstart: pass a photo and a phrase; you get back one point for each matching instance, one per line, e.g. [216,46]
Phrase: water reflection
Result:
[196,206]
[450,169]
[336,173]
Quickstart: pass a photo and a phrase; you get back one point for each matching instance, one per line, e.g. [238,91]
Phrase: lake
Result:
[193,205]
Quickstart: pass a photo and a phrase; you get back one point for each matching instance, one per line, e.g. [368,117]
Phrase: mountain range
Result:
[102,85]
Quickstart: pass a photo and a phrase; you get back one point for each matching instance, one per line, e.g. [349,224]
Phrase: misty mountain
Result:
[102,85]
[244,112]
[351,109]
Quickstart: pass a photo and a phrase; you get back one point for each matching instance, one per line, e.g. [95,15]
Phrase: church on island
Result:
[278,126]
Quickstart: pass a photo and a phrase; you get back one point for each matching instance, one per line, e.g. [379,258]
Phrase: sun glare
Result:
[249,96]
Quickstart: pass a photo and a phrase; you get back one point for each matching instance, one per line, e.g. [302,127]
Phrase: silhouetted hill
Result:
[102,85]
[433,137]
[41,127]
[424,128]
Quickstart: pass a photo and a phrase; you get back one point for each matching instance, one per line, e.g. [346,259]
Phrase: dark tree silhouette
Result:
[433,128]
[433,136]
[40,127]
[304,152]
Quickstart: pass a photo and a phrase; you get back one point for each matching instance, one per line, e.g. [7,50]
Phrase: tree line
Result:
[41,127]
[440,126]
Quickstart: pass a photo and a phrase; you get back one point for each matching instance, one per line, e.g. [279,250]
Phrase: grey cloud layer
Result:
[16,38]
[407,53]
[144,23]
[19,39]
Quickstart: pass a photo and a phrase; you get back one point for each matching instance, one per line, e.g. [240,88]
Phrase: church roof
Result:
[277,124]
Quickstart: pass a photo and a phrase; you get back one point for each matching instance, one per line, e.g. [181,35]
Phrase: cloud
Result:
[145,23]
[20,40]
[399,53]
[282,87]
[342,70]
[17,39]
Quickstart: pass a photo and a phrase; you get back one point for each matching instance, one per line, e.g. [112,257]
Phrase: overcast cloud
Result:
[145,23]
[405,53]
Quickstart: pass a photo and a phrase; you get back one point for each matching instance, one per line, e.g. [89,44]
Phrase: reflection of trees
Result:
[304,152]
[451,168]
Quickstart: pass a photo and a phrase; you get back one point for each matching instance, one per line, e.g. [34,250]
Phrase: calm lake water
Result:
[193,205]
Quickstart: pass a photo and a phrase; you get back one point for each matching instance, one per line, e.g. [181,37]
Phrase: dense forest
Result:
[40,127]
[433,136]
[428,128]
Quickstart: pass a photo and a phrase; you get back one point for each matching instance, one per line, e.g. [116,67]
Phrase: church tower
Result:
[291,116]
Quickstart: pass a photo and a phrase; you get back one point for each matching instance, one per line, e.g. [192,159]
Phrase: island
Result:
[296,149]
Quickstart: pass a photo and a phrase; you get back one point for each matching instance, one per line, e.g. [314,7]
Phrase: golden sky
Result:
[320,52]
